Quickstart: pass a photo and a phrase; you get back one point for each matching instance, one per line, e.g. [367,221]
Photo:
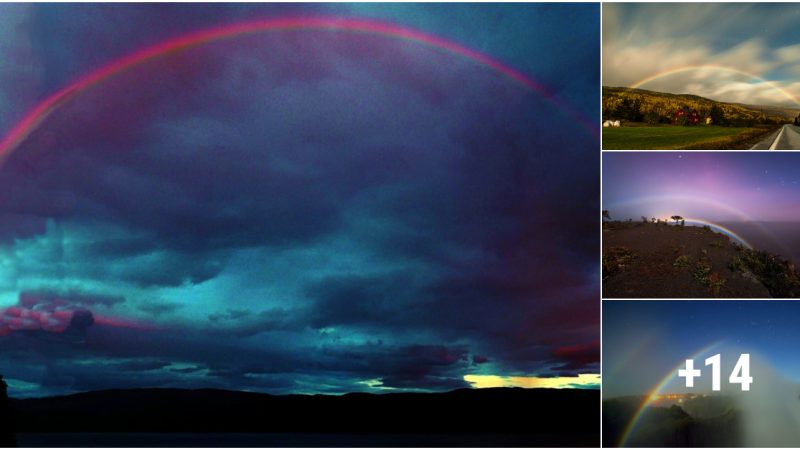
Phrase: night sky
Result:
[644,342]
[715,187]
[735,52]
[302,211]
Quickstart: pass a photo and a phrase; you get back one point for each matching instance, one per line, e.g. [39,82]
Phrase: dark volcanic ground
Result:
[668,261]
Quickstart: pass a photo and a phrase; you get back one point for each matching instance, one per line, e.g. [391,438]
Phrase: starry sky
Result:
[712,186]
[758,39]
[646,341]
[305,211]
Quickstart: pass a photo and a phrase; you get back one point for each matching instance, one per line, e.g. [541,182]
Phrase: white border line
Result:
[774,145]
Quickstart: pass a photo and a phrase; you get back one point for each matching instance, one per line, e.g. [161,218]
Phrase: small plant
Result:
[719,243]
[681,261]
[779,276]
[615,259]
[738,264]
[706,228]
[715,283]
[701,271]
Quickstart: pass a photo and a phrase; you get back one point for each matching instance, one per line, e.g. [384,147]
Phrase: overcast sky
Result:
[758,42]
[302,211]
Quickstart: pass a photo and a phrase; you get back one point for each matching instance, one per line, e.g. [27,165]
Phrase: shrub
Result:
[715,283]
[778,275]
[615,259]
[701,270]
[681,261]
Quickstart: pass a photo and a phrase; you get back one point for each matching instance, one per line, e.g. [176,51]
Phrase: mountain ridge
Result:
[567,417]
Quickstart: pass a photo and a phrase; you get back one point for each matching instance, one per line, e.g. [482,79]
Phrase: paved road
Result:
[765,143]
[788,138]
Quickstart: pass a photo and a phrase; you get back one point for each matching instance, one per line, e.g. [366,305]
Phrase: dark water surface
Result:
[294,440]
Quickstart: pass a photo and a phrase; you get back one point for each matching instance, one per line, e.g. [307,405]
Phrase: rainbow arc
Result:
[712,67]
[654,392]
[36,116]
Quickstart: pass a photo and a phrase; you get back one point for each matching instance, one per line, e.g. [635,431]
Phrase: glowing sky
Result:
[643,342]
[646,343]
[645,39]
[717,187]
[314,212]
[494,381]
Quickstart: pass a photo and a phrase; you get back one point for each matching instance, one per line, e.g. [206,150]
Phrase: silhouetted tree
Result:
[717,115]
[652,117]
[644,219]
[606,215]
[7,438]
[676,219]
[683,222]
[630,109]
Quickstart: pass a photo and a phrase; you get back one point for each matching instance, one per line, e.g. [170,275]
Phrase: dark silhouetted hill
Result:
[672,426]
[469,417]
[7,438]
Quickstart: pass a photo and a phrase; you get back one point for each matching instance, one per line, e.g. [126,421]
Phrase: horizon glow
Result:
[710,186]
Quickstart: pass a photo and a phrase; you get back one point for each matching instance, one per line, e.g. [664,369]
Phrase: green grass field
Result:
[677,137]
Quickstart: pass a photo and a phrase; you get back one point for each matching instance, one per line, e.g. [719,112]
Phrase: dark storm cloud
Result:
[479,359]
[33,298]
[140,365]
[242,323]
[186,370]
[131,358]
[359,300]
[466,205]
[158,309]
[577,356]
[497,311]
[231,314]
[16,226]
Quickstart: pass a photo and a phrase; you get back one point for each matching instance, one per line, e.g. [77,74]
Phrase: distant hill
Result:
[774,111]
[672,426]
[469,417]
[660,107]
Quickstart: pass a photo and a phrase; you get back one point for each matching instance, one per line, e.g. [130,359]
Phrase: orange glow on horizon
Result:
[496,381]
